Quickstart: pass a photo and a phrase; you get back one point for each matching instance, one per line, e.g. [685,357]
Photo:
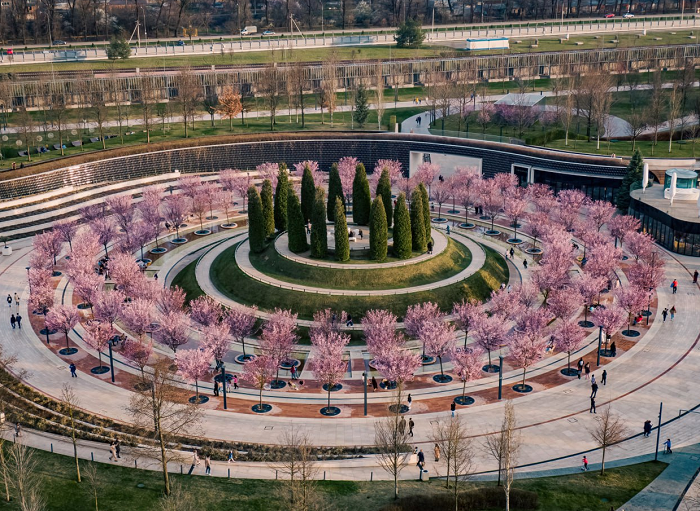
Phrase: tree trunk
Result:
[163,460]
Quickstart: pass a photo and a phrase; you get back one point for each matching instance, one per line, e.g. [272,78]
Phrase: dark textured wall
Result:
[326,148]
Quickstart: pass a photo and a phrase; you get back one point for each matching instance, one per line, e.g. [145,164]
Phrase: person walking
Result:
[436,450]
[613,349]
[216,388]
[592,410]
[674,286]
[235,382]
[12,321]
[525,263]
[72,370]
[430,247]
[410,399]
[113,451]
[512,252]
[673,312]
[402,426]
[230,457]
[647,428]
[18,317]
[421,459]
[667,446]
[411,424]
[293,372]
[207,464]
[584,464]
[195,461]
[17,301]
[579,366]
[18,430]
[9,300]
[587,370]
[453,407]
[604,378]
[374,384]
[664,313]
[448,230]
[594,389]
[695,277]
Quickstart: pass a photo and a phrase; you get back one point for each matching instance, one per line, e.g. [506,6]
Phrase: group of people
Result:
[114,450]
[15,319]
[230,382]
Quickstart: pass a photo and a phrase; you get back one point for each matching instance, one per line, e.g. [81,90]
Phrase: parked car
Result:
[611,15]
[628,15]
[59,43]
[269,32]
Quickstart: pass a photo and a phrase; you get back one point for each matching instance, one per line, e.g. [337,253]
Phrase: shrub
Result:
[335,190]
[256,221]
[426,212]
[342,243]
[281,196]
[403,240]
[361,199]
[632,176]
[378,230]
[419,241]
[308,194]
[296,227]
[384,190]
[319,241]
[267,208]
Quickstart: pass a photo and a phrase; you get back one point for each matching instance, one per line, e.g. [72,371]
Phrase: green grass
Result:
[187,280]
[454,259]
[118,489]
[233,283]
[686,149]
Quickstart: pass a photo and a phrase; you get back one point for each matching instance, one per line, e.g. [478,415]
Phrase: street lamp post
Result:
[600,340]
[223,383]
[111,360]
[364,384]
[658,433]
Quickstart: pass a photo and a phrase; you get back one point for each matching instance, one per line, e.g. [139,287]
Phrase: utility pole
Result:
[658,433]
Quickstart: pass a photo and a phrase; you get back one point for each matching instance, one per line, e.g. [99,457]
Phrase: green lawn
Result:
[232,282]
[454,259]
[685,149]
[120,489]
[187,280]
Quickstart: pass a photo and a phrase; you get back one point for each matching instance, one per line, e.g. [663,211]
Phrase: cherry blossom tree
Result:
[92,212]
[175,209]
[622,225]
[328,320]
[533,322]
[526,350]
[190,185]
[227,178]
[632,299]
[380,334]
[41,293]
[441,194]
[242,324]
[611,318]
[648,275]
[399,366]
[467,315]
[571,203]
[210,193]
[346,170]
[105,231]
[138,315]
[241,185]
[63,318]
[536,225]
[394,168]
[600,212]
[171,299]
[193,366]
[542,197]
[589,287]
[66,229]
[258,373]
[88,287]
[139,353]
[468,367]
[505,183]
[602,260]
[528,294]
[149,207]
[122,207]
[490,333]
[279,338]
[564,303]
[316,174]
[174,329]
[48,245]
[124,271]
[490,199]
[198,207]
[142,233]
[427,173]
[328,363]
[205,310]
[469,181]
[269,171]
[97,336]
[418,316]
[438,338]
[553,271]
[514,209]
[569,337]
[640,245]
[215,340]
[108,307]
[505,305]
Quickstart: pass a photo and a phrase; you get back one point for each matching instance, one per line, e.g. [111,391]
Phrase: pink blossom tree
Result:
[648,275]
[571,203]
[149,207]
[48,245]
[174,329]
[41,294]
[640,245]
[242,324]
[138,315]
[88,287]
[66,229]
[526,350]
[316,174]
[468,367]
[438,339]
[467,191]
[394,168]
[139,353]
[210,193]
[278,340]
[193,366]
[505,183]
[632,299]
[205,310]
[124,271]
[441,194]
[269,171]
[542,197]
[258,373]
[489,333]
[175,210]
[380,334]
[105,231]
[215,340]
[505,305]
[569,337]
[122,207]
[514,210]
[198,207]
[533,322]
[564,303]
[92,212]
[108,307]
[399,366]
[328,362]
[602,260]
[63,318]
[553,271]
[171,299]
[190,185]
[621,225]
[418,316]
[589,287]
[427,173]
[467,314]
[536,225]
[600,212]
[241,185]
[611,318]
[142,233]
[490,200]
[328,320]
[97,336]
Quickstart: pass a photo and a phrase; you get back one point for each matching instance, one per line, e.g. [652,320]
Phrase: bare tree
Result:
[637,124]
[656,107]
[504,446]
[269,88]
[566,102]
[189,94]
[379,93]
[93,480]
[22,463]
[455,448]
[99,109]
[296,84]
[607,431]
[299,466]
[675,100]
[328,83]
[392,443]
[160,405]
[26,129]
[70,402]
[148,104]
[58,112]
[115,97]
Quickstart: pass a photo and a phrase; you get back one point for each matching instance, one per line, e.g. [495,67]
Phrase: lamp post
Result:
[111,360]
[600,340]
[30,282]
[500,376]
[658,433]
[223,383]
[364,384]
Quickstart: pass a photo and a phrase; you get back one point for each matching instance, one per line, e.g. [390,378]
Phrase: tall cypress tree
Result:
[361,198]
[342,243]
[281,196]
[296,227]
[426,212]
[417,223]
[335,189]
[384,189]
[632,177]
[308,194]
[403,240]
[319,236]
[268,207]
[378,230]
[256,221]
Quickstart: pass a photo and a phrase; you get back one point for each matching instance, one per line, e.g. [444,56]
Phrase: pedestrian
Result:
[587,370]
[195,462]
[421,460]
[235,382]
[374,384]
[664,313]
[230,457]
[674,286]
[695,277]
[592,379]
[402,426]
[525,263]
[118,448]
[207,464]
[411,424]
[72,370]
[604,378]
[12,321]
[18,317]
[512,252]
[360,233]
[410,399]
[17,300]
[592,410]
[613,349]
[216,388]
[594,389]
[18,430]
[505,254]
[228,385]
[672,312]
[430,247]
[453,407]
[647,428]
[584,464]
[436,450]
[293,372]
[112,451]
[667,446]
[155,277]
[579,366]
[9,300]
[308,227]
[448,230]
[349,322]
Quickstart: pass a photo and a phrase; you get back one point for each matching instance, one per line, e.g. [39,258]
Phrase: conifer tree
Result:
[378,230]
[629,182]
[296,226]
[335,190]
[342,243]
[319,240]
[426,212]
[256,221]
[403,239]
[281,196]
[308,194]
[384,189]
[268,207]
[361,198]
[417,223]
